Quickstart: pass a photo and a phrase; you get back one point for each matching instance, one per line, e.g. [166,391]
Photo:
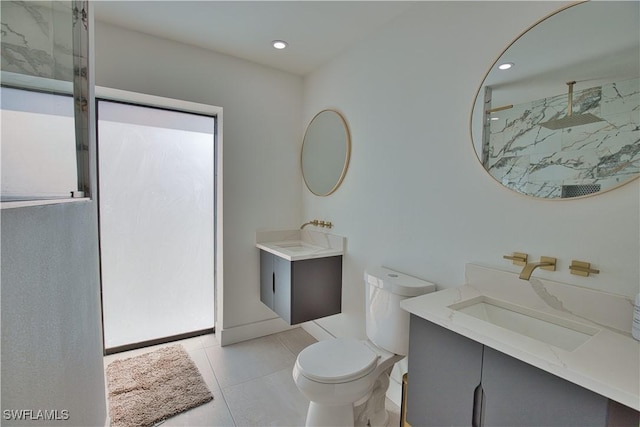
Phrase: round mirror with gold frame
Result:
[564,120]
[326,150]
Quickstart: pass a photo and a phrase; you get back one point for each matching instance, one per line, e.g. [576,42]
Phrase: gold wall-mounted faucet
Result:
[546,263]
[317,223]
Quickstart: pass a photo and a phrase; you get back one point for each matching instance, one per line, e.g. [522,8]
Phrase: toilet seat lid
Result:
[336,361]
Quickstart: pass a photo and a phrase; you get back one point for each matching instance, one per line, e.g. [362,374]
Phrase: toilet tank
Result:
[387,323]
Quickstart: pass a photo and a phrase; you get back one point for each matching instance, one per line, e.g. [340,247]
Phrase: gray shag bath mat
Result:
[152,387]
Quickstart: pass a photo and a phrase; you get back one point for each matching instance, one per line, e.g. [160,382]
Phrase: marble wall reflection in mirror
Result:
[595,44]
[326,150]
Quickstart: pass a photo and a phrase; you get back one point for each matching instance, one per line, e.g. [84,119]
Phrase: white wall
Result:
[262,134]
[415,197]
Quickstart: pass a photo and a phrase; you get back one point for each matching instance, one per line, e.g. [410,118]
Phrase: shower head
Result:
[570,119]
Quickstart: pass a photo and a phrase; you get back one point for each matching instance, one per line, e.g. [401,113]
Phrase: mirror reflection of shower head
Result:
[570,119]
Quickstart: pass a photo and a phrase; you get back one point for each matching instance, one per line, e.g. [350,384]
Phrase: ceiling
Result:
[316,31]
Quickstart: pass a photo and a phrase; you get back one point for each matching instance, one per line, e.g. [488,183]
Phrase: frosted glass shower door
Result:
[156,202]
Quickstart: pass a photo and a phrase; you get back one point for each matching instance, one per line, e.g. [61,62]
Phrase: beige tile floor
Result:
[251,381]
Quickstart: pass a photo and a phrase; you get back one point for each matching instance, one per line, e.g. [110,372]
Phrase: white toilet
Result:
[341,374]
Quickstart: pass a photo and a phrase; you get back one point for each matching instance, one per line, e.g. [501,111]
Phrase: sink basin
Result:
[559,332]
[295,246]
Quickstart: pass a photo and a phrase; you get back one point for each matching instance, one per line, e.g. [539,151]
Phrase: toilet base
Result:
[372,412]
[343,416]
[369,412]
[329,416]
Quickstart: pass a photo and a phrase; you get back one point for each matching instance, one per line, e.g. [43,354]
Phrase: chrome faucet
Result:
[546,263]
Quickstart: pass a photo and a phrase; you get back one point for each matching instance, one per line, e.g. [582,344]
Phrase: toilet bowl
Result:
[338,374]
[346,379]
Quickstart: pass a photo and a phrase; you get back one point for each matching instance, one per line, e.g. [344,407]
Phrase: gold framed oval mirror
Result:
[564,120]
[326,150]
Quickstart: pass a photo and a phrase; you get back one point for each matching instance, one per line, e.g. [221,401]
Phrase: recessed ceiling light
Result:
[279,44]
[495,118]
[505,66]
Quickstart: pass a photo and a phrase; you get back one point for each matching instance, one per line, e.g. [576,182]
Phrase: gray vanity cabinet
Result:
[299,291]
[444,371]
[518,394]
[455,381]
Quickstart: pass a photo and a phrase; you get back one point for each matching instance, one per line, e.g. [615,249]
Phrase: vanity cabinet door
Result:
[282,295]
[518,394]
[444,373]
[275,284]
[316,288]
[267,278]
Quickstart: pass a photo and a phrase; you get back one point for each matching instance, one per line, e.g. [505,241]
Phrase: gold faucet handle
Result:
[581,268]
[549,263]
[328,224]
[518,258]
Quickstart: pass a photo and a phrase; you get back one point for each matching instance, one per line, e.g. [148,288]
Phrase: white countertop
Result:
[608,363]
[296,245]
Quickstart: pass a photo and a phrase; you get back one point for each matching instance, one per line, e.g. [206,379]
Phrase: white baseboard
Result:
[252,330]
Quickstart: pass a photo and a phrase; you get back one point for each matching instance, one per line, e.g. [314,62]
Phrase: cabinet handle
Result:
[273,282]
[478,404]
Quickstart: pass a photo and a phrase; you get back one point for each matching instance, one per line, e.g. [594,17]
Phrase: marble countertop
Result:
[296,245]
[607,363]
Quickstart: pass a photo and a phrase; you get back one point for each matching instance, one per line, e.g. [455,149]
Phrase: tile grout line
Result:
[285,346]
[277,339]
[224,398]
